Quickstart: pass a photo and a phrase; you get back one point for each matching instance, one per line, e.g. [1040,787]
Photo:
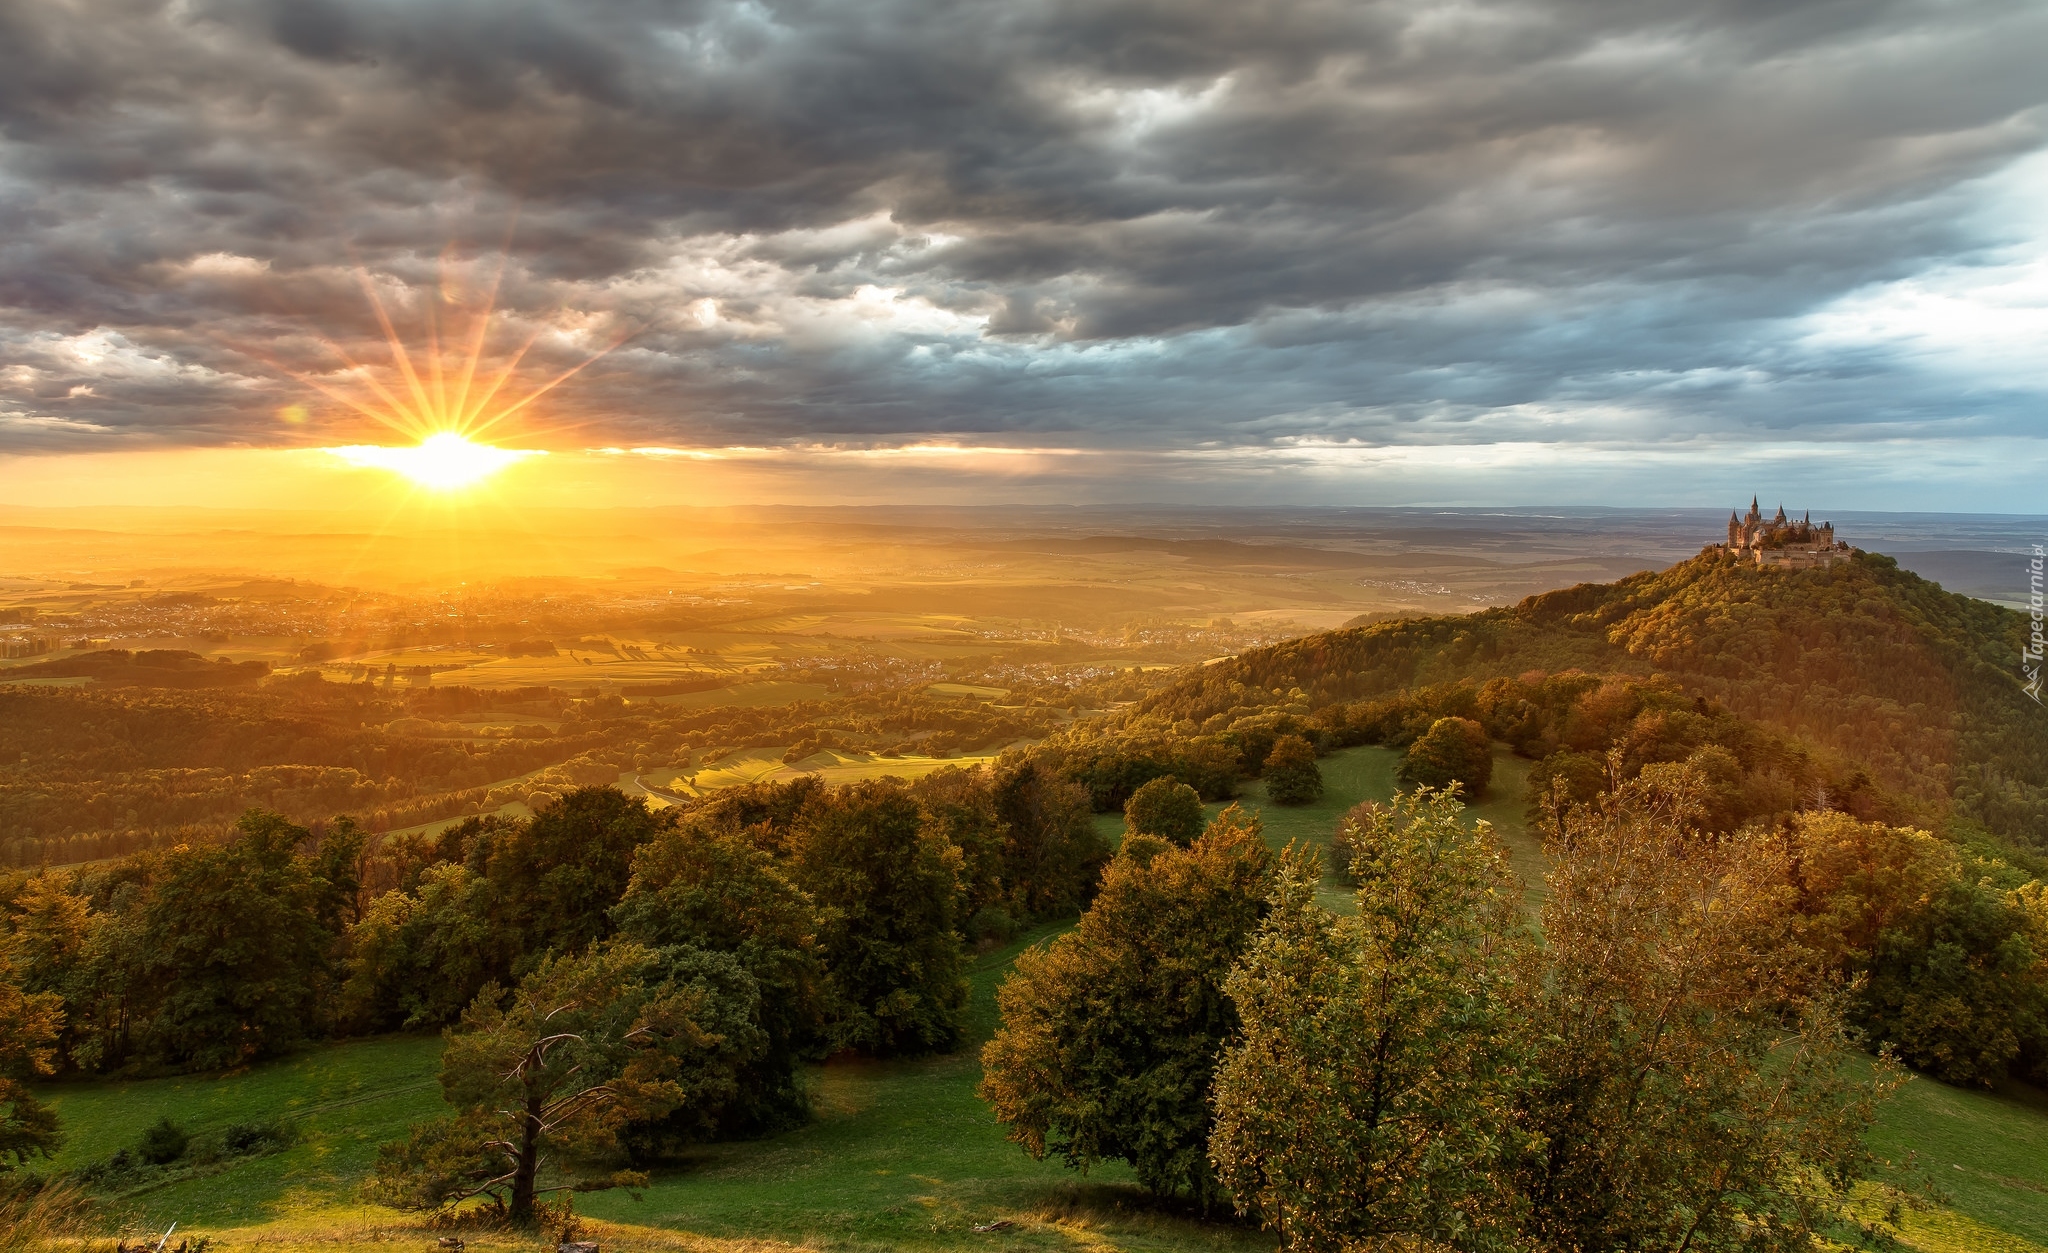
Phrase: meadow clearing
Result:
[902,1154]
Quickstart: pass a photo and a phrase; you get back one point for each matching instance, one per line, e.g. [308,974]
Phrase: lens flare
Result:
[445,462]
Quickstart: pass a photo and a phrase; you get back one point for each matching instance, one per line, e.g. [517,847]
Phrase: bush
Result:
[246,1139]
[163,1143]
[1167,808]
[1351,838]
[1453,750]
[1291,774]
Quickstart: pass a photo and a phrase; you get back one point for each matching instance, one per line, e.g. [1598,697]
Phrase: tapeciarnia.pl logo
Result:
[2030,657]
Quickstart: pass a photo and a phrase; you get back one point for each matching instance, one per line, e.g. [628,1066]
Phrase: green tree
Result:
[1453,750]
[888,886]
[588,1045]
[697,887]
[30,1023]
[1291,774]
[416,959]
[1167,808]
[1051,853]
[52,949]
[1110,1036]
[1960,985]
[1353,835]
[1370,1090]
[1689,1086]
[554,879]
[234,947]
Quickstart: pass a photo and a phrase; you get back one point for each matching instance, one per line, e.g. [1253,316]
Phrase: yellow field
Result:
[765,765]
[968,691]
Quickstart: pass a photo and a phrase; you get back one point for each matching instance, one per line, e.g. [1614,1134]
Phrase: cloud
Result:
[1127,225]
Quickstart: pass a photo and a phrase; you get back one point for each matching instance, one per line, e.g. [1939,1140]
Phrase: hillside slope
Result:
[1919,685]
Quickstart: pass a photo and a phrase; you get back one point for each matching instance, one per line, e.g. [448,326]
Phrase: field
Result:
[902,1154]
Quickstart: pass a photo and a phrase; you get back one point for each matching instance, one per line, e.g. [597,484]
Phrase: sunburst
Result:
[442,403]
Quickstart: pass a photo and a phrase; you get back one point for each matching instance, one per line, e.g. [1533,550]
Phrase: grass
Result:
[1352,775]
[1986,1152]
[345,1100]
[756,765]
[968,691]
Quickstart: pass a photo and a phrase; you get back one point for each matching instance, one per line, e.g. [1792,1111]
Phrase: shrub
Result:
[163,1143]
[1291,774]
[1453,750]
[1353,837]
[1167,808]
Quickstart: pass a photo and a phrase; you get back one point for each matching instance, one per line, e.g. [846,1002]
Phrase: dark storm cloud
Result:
[1139,224]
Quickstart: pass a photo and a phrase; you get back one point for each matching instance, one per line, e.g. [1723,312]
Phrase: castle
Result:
[1776,542]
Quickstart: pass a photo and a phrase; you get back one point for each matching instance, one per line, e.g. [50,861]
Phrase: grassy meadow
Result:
[902,1154]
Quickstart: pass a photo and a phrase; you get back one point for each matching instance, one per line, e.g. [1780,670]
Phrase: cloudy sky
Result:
[1373,251]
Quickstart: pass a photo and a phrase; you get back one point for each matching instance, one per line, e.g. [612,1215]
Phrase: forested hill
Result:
[1920,685]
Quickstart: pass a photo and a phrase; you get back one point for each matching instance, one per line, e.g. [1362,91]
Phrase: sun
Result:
[441,401]
[445,462]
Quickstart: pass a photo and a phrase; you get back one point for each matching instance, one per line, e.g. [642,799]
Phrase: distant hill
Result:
[1920,685]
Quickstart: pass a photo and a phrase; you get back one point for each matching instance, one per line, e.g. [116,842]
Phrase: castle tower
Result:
[1734,530]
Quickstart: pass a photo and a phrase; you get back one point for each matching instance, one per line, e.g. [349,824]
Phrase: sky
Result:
[1299,251]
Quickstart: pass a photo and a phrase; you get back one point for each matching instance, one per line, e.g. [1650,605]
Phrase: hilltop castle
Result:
[1781,543]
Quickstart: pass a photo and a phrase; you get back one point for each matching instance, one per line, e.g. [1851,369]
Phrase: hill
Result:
[1919,686]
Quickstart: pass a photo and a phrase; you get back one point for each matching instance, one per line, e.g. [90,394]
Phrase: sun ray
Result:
[549,386]
[398,351]
[447,392]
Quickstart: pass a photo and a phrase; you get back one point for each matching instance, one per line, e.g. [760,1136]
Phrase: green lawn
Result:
[902,1154]
[345,1100]
[1988,1152]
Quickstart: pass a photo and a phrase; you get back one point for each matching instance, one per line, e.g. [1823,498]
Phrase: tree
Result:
[588,1045]
[1688,1084]
[1961,987]
[888,886]
[700,888]
[1110,1036]
[1370,1089]
[1051,853]
[29,1025]
[1453,750]
[554,879]
[1167,808]
[234,947]
[1954,968]
[1291,774]
[52,948]
[415,960]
